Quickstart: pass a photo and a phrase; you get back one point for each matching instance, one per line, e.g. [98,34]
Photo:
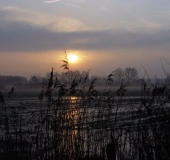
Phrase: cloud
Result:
[51,1]
[20,37]
[26,31]
[6,7]
[41,20]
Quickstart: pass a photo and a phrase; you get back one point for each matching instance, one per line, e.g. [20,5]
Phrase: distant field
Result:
[22,92]
[131,91]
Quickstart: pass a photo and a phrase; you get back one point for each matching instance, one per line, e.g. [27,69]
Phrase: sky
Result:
[104,34]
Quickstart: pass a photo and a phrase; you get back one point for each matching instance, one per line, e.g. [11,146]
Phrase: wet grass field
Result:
[83,127]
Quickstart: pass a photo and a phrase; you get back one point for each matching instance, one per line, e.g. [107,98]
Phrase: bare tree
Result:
[118,74]
[130,73]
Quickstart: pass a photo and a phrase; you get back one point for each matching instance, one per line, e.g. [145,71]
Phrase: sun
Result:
[72,58]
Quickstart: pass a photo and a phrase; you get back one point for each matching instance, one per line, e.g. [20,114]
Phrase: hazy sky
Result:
[104,34]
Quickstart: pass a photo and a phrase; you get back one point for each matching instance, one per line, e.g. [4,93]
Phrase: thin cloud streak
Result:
[51,1]
[53,23]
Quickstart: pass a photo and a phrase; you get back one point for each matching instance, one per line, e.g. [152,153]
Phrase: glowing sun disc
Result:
[72,58]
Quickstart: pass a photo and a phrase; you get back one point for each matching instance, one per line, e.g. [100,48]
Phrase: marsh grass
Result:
[74,120]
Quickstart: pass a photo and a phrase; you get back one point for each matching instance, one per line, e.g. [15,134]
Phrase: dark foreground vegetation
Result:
[73,122]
